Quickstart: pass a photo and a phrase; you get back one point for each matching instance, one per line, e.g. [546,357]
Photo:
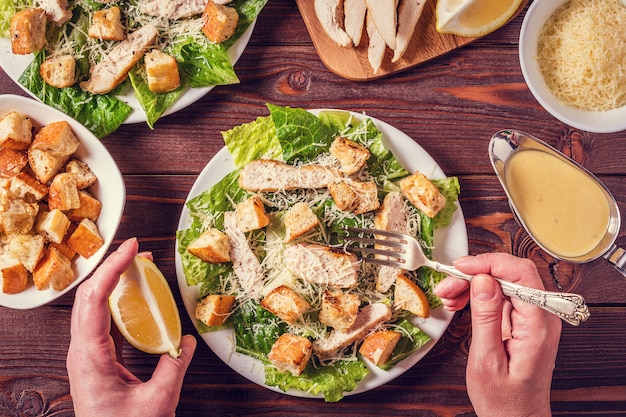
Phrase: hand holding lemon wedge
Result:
[473,18]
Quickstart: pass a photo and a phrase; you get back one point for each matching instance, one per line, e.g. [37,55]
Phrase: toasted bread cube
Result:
[299,220]
[409,296]
[220,22]
[351,155]
[251,214]
[86,239]
[84,176]
[162,71]
[59,71]
[354,196]
[52,147]
[53,270]
[52,225]
[339,309]
[28,31]
[12,162]
[211,246]
[27,248]
[214,309]
[26,187]
[379,346]
[290,353]
[106,24]
[14,278]
[63,194]
[16,131]
[423,194]
[285,303]
[89,208]
[17,215]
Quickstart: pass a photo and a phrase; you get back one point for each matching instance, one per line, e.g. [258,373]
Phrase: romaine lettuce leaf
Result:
[152,103]
[451,189]
[251,141]
[413,339]
[256,330]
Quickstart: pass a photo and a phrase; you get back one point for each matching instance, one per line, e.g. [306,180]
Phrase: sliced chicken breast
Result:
[320,265]
[245,263]
[409,13]
[57,11]
[369,318]
[354,19]
[172,9]
[392,217]
[330,15]
[270,176]
[384,16]
[377,45]
[114,67]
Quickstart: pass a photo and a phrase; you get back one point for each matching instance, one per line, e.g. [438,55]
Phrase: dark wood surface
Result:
[451,106]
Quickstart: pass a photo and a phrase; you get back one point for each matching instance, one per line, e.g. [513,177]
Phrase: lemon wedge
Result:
[144,309]
[472,18]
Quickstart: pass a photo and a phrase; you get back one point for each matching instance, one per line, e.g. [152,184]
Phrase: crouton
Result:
[339,309]
[106,24]
[86,239]
[161,71]
[52,225]
[291,353]
[211,246]
[63,194]
[251,214]
[17,215]
[89,208]
[52,147]
[16,131]
[351,155]
[27,248]
[59,71]
[214,309]
[12,162]
[220,22]
[354,196]
[14,277]
[379,346]
[53,270]
[423,194]
[409,296]
[28,31]
[285,303]
[84,176]
[26,187]
[299,220]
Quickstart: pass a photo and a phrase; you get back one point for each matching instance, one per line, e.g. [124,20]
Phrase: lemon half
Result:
[472,18]
[144,309]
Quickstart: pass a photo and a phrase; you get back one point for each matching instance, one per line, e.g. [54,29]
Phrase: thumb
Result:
[486,303]
[170,372]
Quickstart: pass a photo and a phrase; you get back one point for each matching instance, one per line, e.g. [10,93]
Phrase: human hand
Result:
[514,343]
[99,384]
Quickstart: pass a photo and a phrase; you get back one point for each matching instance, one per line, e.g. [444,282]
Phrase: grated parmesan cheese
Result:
[582,54]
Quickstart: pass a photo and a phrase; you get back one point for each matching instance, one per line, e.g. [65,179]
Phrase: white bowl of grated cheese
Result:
[577,74]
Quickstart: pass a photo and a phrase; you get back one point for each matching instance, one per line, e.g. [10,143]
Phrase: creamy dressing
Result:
[565,210]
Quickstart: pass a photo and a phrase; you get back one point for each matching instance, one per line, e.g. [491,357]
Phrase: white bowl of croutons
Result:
[61,202]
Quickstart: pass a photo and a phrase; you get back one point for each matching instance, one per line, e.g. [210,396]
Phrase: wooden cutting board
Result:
[351,63]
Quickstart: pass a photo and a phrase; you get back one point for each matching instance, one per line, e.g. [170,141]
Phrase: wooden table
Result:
[451,106]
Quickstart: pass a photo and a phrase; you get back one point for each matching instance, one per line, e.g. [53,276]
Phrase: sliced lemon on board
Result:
[144,309]
[472,18]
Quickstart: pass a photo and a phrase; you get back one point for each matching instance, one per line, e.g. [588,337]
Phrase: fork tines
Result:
[390,257]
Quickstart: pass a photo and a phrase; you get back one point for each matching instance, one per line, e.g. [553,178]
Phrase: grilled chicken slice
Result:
[368,318]
[409,12]
[377,45]
[330,15]
[354,19]
[58,11]
[319,264]
[172,9]
[271,176]
[245,263]
[384,15]
[114,67]
[392,217]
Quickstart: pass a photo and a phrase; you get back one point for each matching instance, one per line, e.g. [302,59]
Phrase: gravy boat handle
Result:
[617,256]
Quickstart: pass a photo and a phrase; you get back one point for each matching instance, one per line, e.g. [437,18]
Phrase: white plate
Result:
[109,189]
[449,244]
[14,66]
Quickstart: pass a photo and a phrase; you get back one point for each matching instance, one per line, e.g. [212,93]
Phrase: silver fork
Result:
[405,252]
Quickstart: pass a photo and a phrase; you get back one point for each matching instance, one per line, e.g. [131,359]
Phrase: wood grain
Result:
[352,62]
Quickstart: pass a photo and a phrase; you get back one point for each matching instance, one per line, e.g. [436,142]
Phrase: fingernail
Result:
[483,288]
